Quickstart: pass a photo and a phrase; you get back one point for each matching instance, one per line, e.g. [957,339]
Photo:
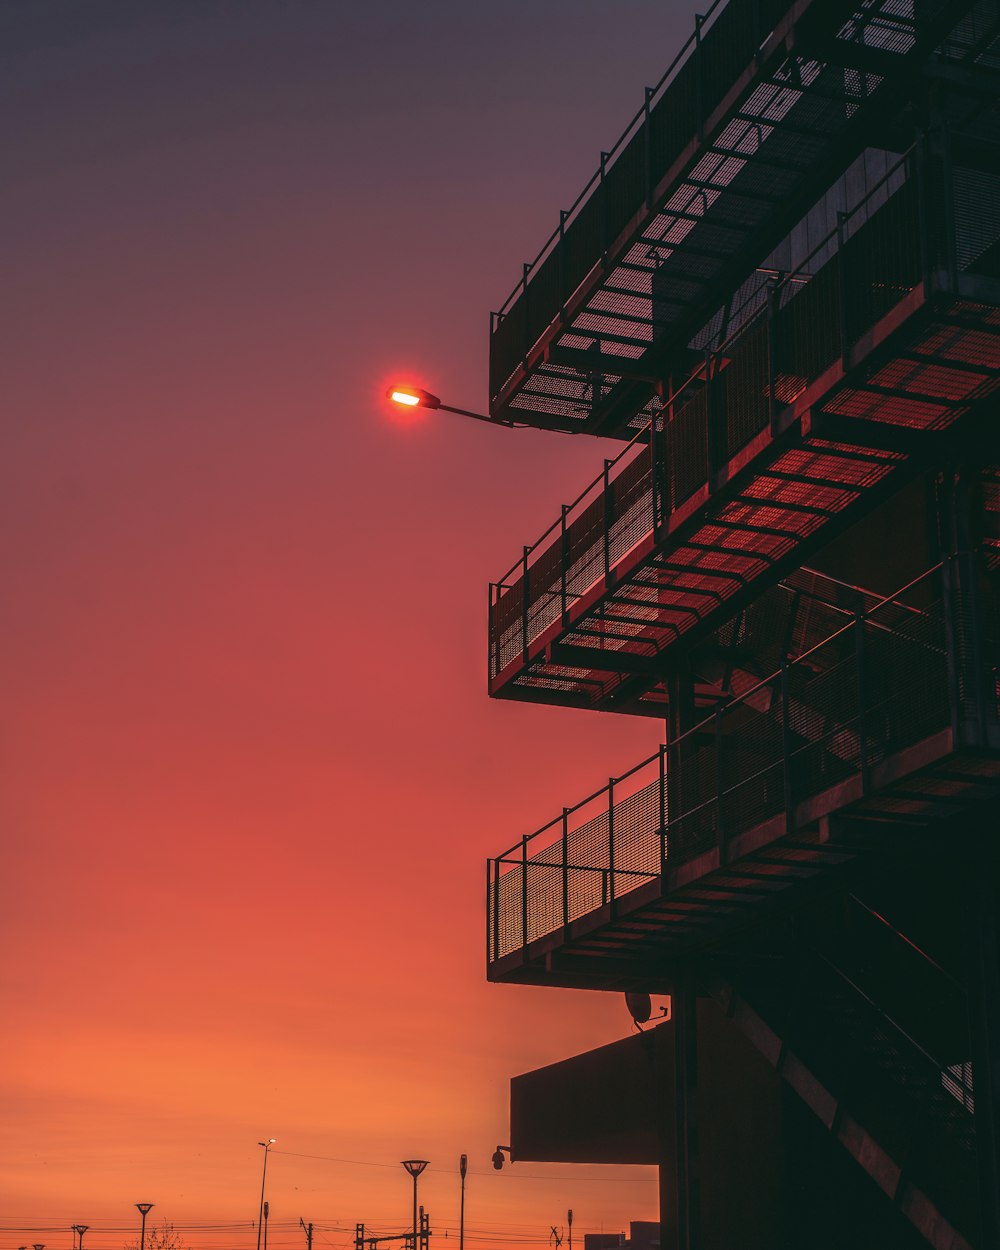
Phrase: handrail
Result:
[702,370]
[775,676]
[717,711]
[912,1041]
[692,41]
[949,976]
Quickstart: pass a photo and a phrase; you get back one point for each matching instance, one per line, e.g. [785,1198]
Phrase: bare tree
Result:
[161,1236]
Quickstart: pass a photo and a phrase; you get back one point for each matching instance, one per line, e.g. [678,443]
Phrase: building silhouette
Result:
[781,293]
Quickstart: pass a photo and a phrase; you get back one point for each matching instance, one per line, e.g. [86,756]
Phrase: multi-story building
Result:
[781,292]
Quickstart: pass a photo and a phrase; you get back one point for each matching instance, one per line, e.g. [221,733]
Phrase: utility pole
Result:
[463,1167]
[308,1231]
[569,1221]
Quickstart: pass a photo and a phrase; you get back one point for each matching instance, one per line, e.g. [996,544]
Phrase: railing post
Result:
[699,55]
[715,416]
[773,301]
[492,640]
[524,297]
[845,321]
[786,750]
[663,809]
[565,866]
[524,892]
[496,910]
[608,518]
[720,786]
[564,562]
[524,602]
[611,842]
[604,209]
[648,145]
[563,267]
[859,652]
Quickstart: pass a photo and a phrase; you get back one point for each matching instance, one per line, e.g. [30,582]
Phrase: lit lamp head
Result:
[412,397]
[414,1166]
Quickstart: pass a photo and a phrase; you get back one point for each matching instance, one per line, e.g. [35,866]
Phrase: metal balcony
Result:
[726,821]
[874,359]
[766,105]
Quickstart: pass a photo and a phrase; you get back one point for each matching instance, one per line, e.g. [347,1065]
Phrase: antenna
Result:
[640,1008]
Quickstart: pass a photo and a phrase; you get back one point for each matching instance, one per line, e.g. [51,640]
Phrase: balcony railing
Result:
[755,110]
[903,231]
[873,688]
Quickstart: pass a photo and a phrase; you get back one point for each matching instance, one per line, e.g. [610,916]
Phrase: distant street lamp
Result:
[417,397]
[144,1209]
[80,1229]
[414,1167]
[260,1220]
[38,1245]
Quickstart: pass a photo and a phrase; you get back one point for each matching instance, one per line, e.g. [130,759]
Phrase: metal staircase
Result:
[901,1109]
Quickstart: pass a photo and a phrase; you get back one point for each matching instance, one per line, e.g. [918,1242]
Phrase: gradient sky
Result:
[250,774]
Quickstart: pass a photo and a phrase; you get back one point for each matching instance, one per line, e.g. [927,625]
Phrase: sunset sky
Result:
[250,774]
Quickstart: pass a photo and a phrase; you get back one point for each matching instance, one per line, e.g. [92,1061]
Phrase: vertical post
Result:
[524,602]
[492,640]
[565,865]
[563,264]
[564,562]
[948,207]
[786,750]
[524,892]
[984,1012]
[663,809]
[611,841]
[684,1013]
[496,909]
[699,54]
[859,652]
[463,1167]
[720,786]
[490,915]
[924,215]
[844,327]
[608,518]
[359,1237]
[773,301]
[604,209]
[524,300]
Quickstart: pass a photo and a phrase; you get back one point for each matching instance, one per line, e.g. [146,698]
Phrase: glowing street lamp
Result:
[416,397]
[80,1229]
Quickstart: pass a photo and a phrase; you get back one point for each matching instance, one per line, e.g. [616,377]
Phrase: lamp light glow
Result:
[413,397]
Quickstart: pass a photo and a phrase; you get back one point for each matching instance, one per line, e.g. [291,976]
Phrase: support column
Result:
[983,970]
[680,1199]
[960,531]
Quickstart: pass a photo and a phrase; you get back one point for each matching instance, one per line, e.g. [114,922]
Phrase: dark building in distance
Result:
[781,292]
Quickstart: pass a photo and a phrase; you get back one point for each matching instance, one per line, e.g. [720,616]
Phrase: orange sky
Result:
[250,775]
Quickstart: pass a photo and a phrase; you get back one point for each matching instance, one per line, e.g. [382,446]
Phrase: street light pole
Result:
[414,1167]
[144,1209]
[80,1229]
[260,1219]
[463,1167]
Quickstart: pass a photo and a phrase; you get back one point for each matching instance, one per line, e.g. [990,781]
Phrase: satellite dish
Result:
[640,1008]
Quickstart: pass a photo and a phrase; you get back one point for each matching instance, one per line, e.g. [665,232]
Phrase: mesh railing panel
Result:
[781,350]
[877,686]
